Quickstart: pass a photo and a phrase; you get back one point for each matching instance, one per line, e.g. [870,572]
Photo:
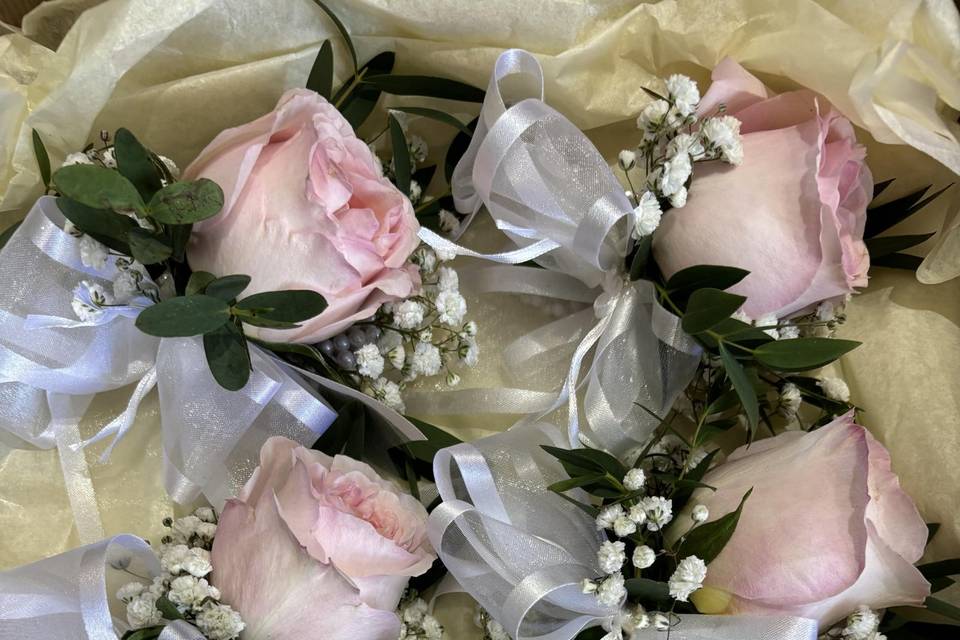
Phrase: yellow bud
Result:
[711,600]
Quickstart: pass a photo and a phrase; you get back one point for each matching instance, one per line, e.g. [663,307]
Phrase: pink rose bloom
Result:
[827,528]
[316,548]
[792,213]
[306,207]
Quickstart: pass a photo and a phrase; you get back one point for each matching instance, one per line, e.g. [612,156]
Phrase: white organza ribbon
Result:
[65,596]
[551,192]
[51,369]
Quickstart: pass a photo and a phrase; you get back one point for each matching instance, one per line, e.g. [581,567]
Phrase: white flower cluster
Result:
[416,623]
[673,139]
[185,560]
[863,624]
[132,287]
[492,630]
[422,336]
[106,157]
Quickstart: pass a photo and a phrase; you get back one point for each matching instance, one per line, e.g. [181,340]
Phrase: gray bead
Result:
[327,348]
[341,343]
[357,336]
[373,333]
[346,361]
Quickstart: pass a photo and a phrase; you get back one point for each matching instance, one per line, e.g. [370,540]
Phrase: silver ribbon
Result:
[65,596]
[51,367]
[517,548]
[551,192]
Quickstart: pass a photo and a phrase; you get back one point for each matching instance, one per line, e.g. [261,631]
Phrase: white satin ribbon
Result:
[551,192]
[65,596]
[51,370]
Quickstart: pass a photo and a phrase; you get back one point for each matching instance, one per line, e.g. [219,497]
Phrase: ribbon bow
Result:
[51,366]
[65,596]
[551,192]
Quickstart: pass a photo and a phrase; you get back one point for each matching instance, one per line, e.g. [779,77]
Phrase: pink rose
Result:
[306,207]
[792,214]
[826,529]
[318,548]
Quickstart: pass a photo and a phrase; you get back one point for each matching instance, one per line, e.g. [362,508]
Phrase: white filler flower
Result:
[687,578]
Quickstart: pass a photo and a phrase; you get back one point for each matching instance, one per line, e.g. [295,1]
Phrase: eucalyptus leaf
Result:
[146,247]
[227,356]
[112,229]
[705,275]
[98,188]
[343,32]
[295,305]
[198,282]
[146,633]
[227,288]
[593,459]
[802,354]
[135,163]
[43,158]
[708,540]
[707,308]
[179,236]
[401,155]
[458,146]
[321,74]
[187,202]
[741,383]
[427,86]
[184,316]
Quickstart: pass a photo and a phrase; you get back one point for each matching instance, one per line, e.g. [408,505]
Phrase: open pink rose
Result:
[306,207]
[316,548]
[792,214]
[826,529]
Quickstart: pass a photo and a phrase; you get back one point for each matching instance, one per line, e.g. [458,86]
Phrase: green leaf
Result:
[943,608]
[321,74]
[343,32]
[641,257]
[146,633]
[187,202]
[43,158]
[97,187]
[708,540]
[362,99]
[653,94]
[932,528]
[351,417]
[8,233]
[573,483]
[705,276]
[228,288]
[707,308]
[112,229]
[458,146]
[647,591]
[940,569]
[184,316]
[136,164]
[168,609]
[295,305]
[879,247]
[880,187]
[437,115]
[179,236]
[885,216]
[428,86]
[897,261]
[802,354]
[593,459]
[401,155]
[198,282]
[434,434]
[227,355]
[423,176]
[146,247]
[741,383]
[589,509]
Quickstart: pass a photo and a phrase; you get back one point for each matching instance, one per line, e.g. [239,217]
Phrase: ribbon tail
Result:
[119,426]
